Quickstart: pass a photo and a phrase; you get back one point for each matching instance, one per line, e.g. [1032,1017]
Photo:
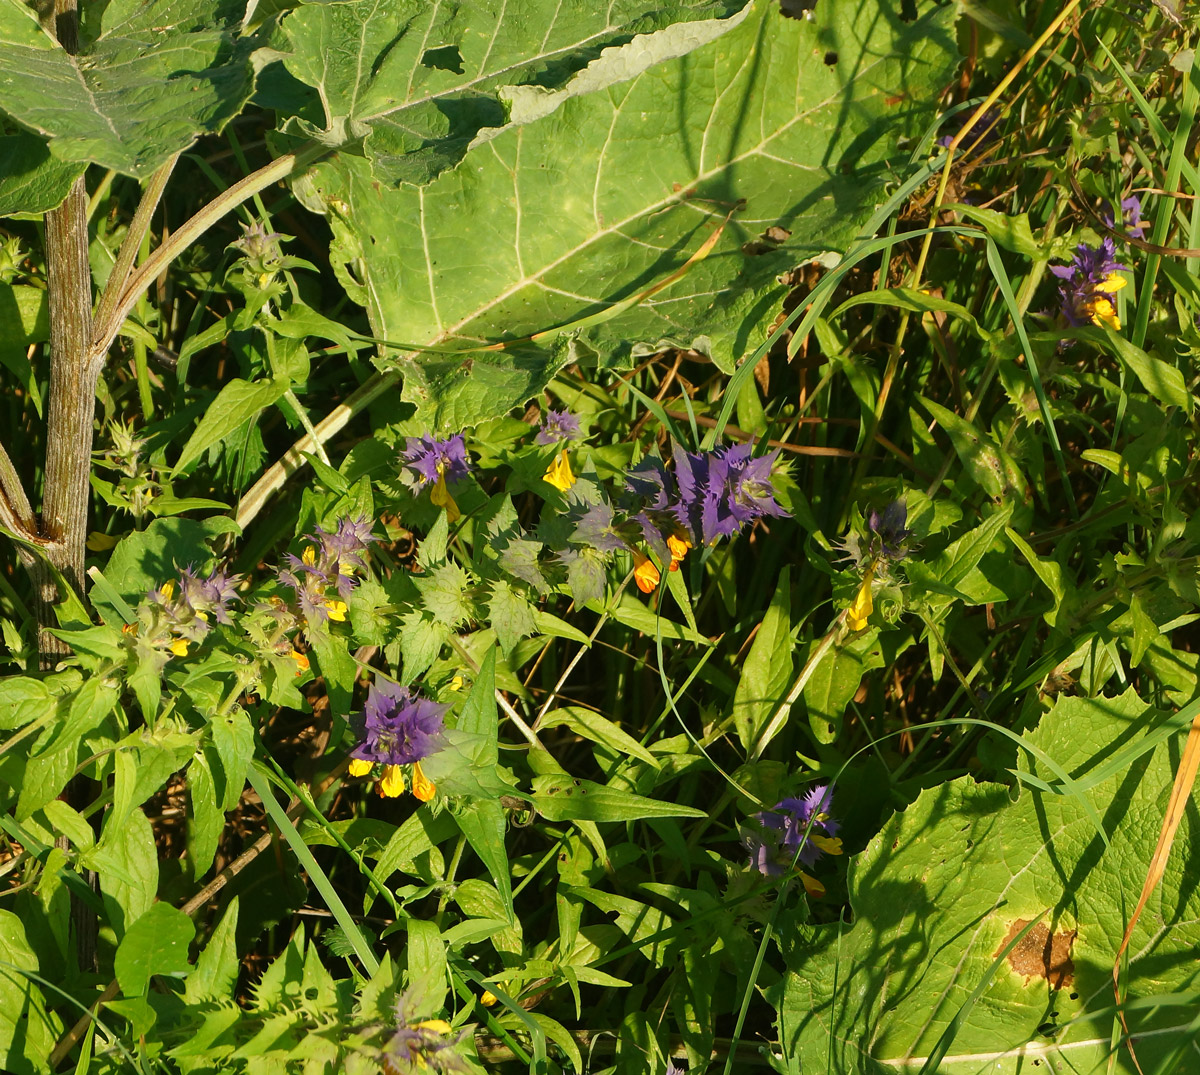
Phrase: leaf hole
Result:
[831,58]
[797,9]
[443,58]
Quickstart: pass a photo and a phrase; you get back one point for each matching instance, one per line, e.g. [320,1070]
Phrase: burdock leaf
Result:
[149,79]
[599,186]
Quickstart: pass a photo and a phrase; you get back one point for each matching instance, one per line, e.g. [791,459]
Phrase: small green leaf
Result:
[426,967]
[835,680]
[989,465]
[233,738]
[591,725]
[510,614]
[904,298]
[237,403]
[337,666]
[27,1031]
[1011,232]
[562,798]
[207,820]
[157,943]
[483,822]
[767,670]
[72,824]
[127,862]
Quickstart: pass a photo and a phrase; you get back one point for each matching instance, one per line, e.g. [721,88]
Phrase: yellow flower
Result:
[645,574]
[811,885]
[309,556]
[678,545]
[179,647]
[358,767]
[830,845]
[558,473]
[167,589]
[1099,307]
[422,787]
[392,784]
[441,498]
[488,998]
[456,684]
[301,661]
[862,606]
[336,610]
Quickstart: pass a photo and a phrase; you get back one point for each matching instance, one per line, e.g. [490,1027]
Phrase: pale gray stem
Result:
[293,459]
[73,380]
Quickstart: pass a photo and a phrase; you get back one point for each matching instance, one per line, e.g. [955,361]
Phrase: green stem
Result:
[115,307]
[448,884]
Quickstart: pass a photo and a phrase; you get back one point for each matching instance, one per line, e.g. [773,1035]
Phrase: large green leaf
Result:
[31,180]
[149,79]
[593,192]
[948,881]
[27,1031]
[418,81]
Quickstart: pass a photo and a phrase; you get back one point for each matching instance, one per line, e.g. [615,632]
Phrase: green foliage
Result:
[453,687]
[946,881]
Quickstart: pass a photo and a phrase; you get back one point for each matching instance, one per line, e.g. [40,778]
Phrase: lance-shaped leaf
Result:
[595,191]
[149,79]
[940,893]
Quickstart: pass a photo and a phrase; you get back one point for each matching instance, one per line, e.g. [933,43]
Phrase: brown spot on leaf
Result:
[1040,955]
[769,240]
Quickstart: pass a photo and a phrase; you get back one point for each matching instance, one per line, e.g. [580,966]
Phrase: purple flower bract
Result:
[427,458]
[1089,284]
[724,490]
[785,832]
[558,426]
[397,726]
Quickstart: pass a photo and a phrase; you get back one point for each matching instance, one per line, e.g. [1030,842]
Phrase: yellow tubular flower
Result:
[392,784]
[811,885]
[645,574]
[309,556]
[422,787]
[1101,312]
[678,545]
[179,647]
[336,610]
[440,496]
[167,589]
[1100,308]
[358,767]
[301,661]
[830,845]
[488,998]
[558,473]
[862,606]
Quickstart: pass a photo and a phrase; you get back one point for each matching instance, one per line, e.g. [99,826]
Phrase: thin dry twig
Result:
[1181,794]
